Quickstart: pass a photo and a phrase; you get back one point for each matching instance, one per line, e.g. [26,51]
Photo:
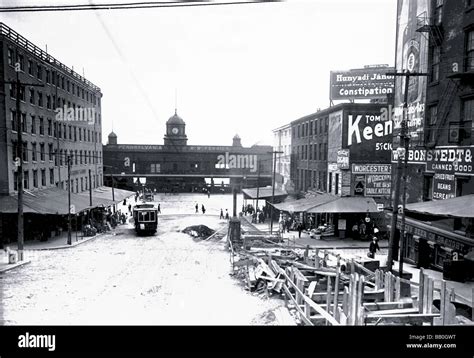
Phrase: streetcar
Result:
[146,219]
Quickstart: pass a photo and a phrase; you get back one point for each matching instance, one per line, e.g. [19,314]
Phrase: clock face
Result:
[175,130]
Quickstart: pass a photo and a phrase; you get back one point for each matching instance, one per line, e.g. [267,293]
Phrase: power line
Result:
[125,6]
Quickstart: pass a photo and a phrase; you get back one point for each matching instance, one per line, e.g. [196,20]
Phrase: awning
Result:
[347,205]
[263,193]
[303,205]
[55,201]
[461,207]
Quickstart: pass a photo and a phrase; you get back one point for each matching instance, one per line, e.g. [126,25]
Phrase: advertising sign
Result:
[359,185]
[372,168]
[364,83]
[378,184]
[368,136]
[411,55]
[343,158]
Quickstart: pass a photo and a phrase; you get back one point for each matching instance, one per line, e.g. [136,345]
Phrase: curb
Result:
[14,266]
[67,246]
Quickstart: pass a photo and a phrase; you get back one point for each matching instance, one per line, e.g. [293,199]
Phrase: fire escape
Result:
[434,33]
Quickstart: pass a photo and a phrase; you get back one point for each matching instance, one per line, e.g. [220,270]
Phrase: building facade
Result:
[177,166]
[439,36]
[59,119]
[282,143]
[309,140]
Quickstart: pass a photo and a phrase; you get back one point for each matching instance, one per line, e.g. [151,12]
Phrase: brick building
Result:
[59,119]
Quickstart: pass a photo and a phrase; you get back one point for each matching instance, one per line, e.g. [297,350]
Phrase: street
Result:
[166,279]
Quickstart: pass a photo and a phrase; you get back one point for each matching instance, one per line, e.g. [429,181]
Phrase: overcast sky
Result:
[243,69]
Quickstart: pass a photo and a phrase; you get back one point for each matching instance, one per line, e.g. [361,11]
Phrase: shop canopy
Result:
[460,207]
[54,201]
[303,205]
[103,195]
[263,193]
[347,205]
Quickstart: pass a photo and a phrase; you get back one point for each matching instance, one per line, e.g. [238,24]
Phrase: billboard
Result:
[411,55]
[364,83]
[368,136]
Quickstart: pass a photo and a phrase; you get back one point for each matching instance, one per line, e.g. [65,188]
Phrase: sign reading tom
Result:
[370,82]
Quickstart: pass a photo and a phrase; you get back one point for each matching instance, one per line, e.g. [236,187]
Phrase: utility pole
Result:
[69,199]
[402,170]
[274,153]
[19,160]
[258,184]
[90,188]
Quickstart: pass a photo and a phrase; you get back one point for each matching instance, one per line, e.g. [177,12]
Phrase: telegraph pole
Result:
[90,188]
[258,183]
[69,199]
[274,153]
[402,169]
[19,160]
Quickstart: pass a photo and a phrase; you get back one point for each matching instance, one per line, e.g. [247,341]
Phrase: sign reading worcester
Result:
[365,83]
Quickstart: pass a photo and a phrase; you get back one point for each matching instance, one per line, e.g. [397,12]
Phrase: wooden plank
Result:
[380,306]
[336,286]
[345,301]
[360,293]
[317,264]
[402,319]
[429,300]
[328,295]
[311,289]
[396,311]
[299,275]
[397,289]
[442,307]
[425,293]
[421,290]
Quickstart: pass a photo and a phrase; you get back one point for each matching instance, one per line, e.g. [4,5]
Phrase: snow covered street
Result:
[168,279]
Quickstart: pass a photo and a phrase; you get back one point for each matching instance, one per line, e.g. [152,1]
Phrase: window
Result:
[70,133]
[470,51]
[50,152]
[25,151]
[23,122]
[12,90]
[82,184]
[39,72]
[48,76]
[40,99]
[42,152]
[435,60]
[14,150]
[467,120]
[26,180]
[330,183]
[35,178]
[50,127]
[41,124]
[21,60]
[76,157]
[43,177]
[80,157]
[77,185]
[33,152]
[32,96]
[48,101]
[336,184]
[51,176]
[30,67]
[10,56]
[33,124]
[438,12]
[22,93]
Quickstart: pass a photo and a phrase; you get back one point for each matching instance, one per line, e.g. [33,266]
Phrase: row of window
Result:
[78,157]
[54,128]
[313,179]
[50,76]
[435,57]
[312,127]
[458,132]
[63,108]
[83,181]
[312,151]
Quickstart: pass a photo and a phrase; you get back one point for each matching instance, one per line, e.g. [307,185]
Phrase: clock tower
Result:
[175,131]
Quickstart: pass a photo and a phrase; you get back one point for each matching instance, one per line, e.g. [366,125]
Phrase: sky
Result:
[234,69]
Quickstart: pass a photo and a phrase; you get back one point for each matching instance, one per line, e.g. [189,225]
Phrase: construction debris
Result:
[199,231]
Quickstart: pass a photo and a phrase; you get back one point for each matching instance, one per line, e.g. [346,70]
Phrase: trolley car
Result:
[146,219]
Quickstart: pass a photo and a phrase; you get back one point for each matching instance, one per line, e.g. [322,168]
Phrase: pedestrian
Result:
[355,231]
[222,215]
[374,246]
[159,209]
[203,209]
[300,229]
[197,208]
[129,208]
[226,214]
[208,193]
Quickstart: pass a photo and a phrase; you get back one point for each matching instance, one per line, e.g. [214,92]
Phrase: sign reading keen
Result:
[364,83]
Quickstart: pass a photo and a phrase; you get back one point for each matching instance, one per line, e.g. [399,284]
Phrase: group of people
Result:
[203,209]
[226,214]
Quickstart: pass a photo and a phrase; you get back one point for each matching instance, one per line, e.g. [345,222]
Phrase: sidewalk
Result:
[5,266]
[323,243]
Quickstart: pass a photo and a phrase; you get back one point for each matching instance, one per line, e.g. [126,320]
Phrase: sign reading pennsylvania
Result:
[365,83]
